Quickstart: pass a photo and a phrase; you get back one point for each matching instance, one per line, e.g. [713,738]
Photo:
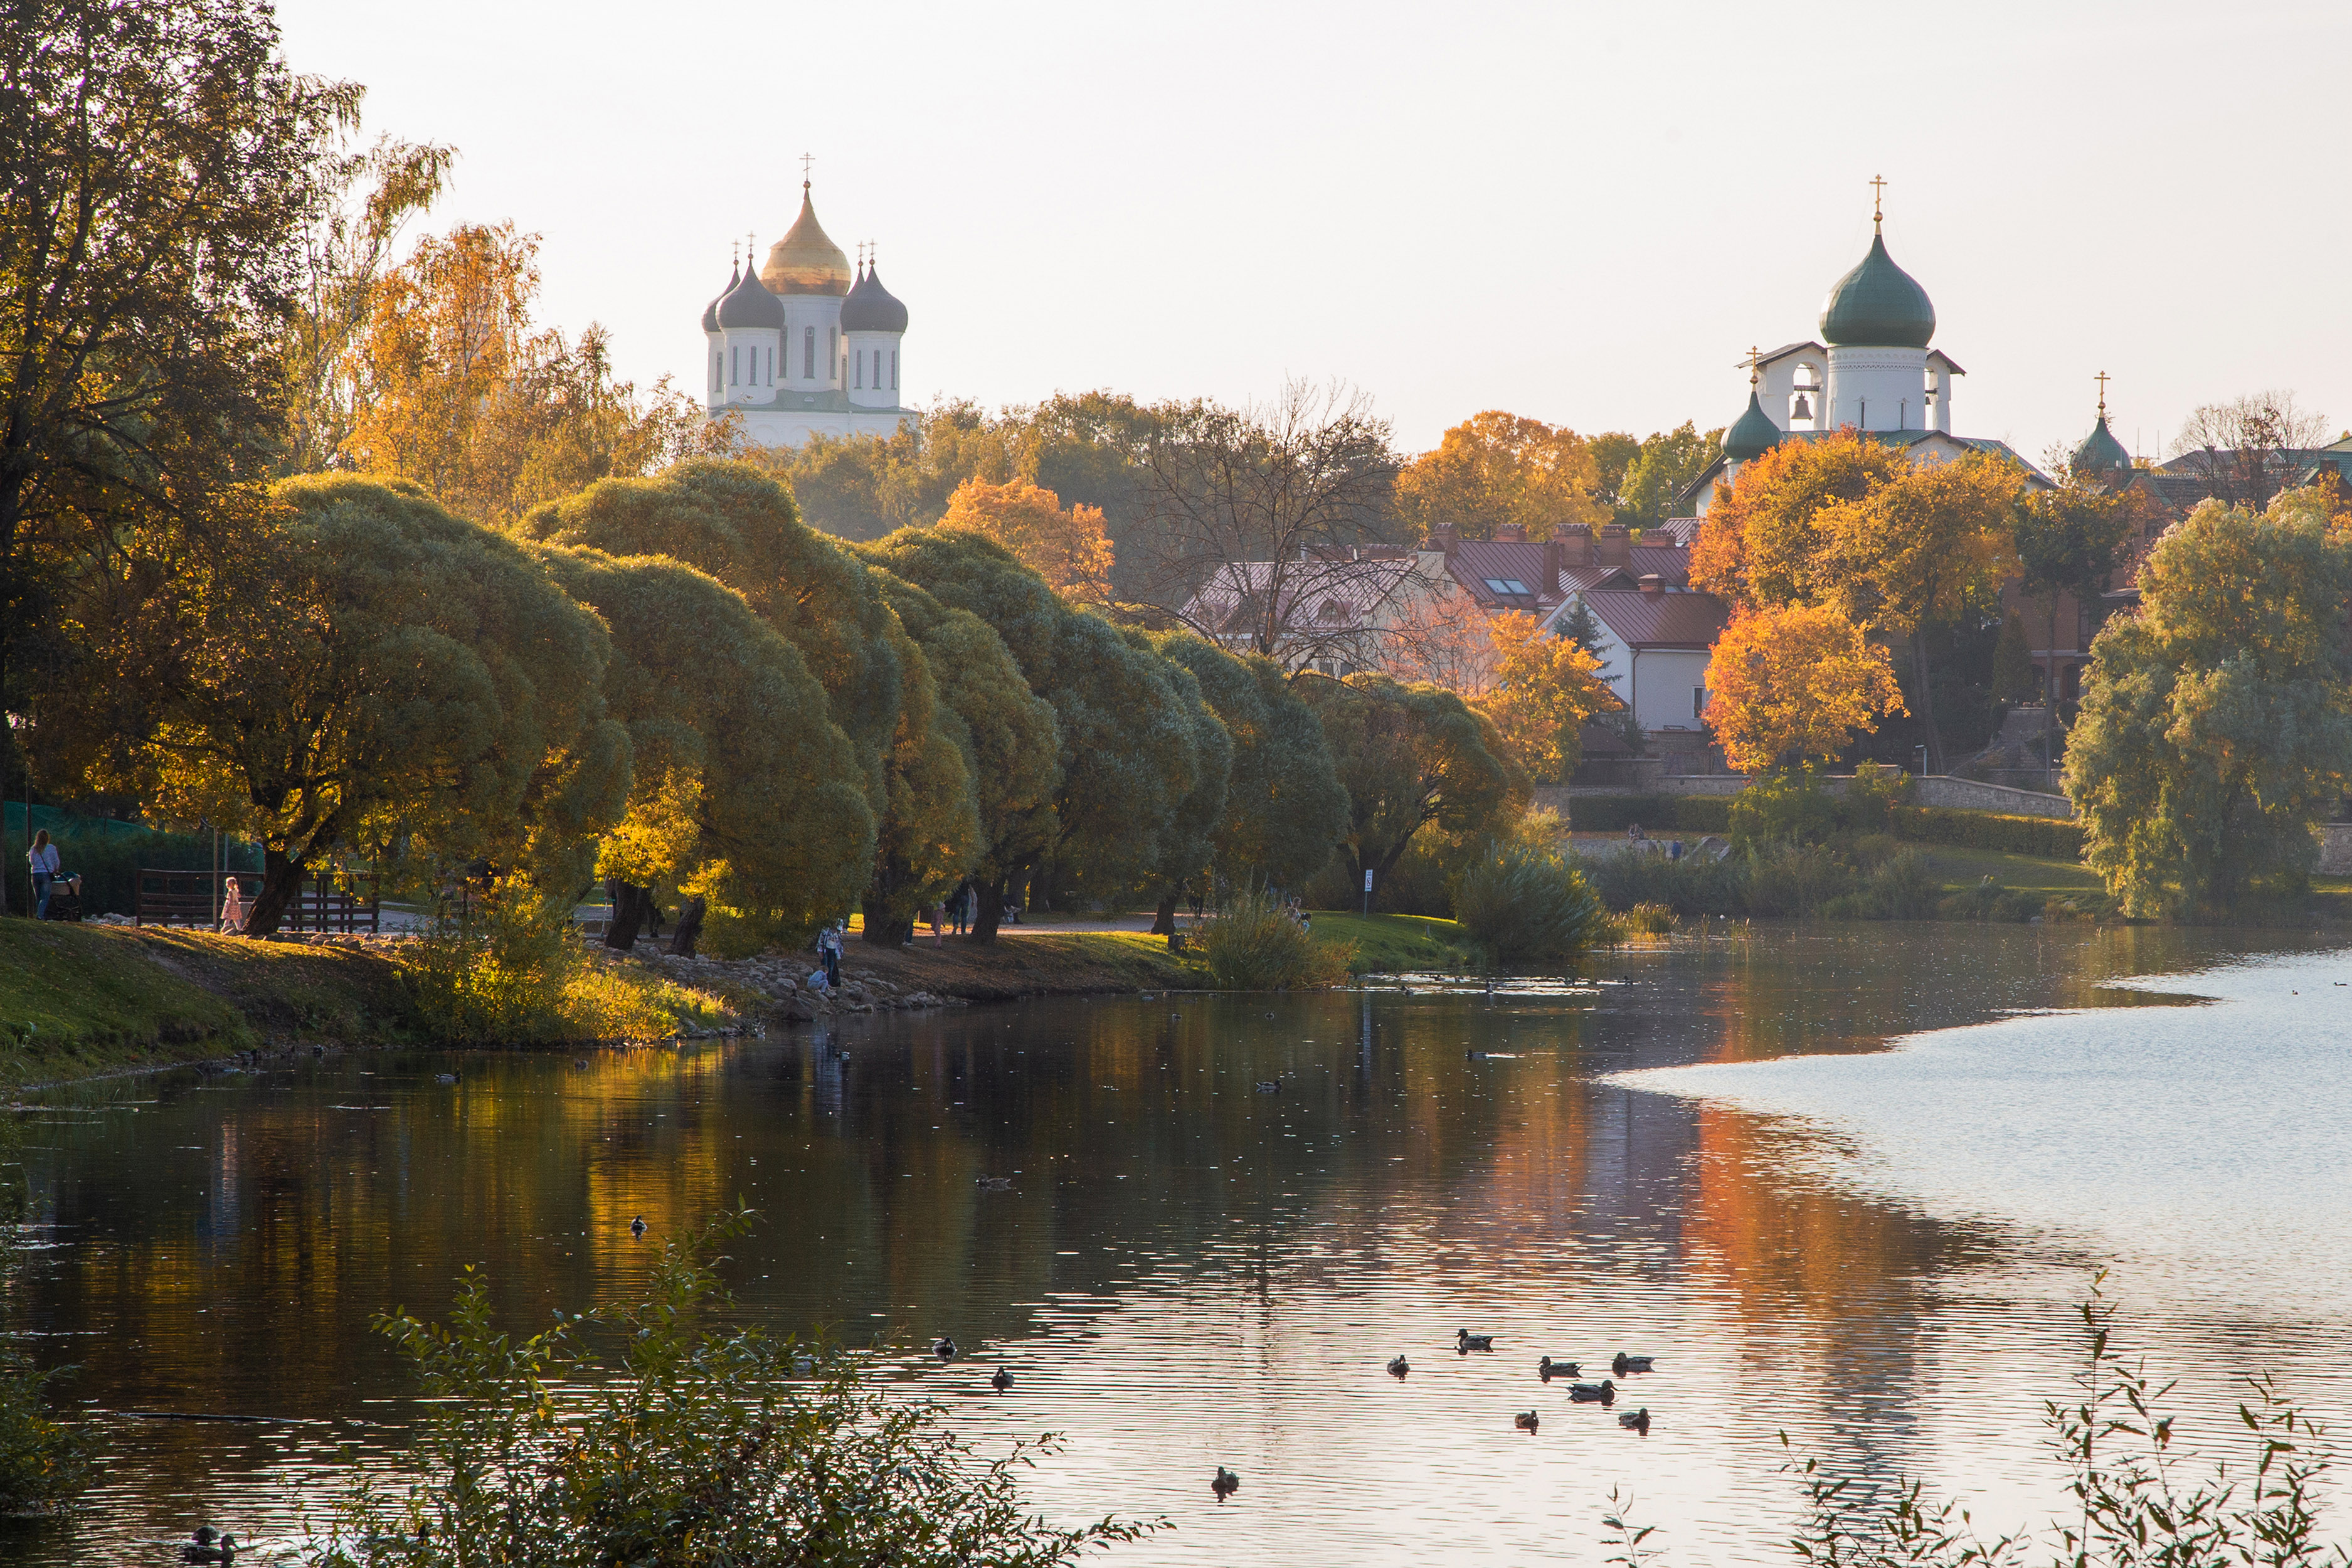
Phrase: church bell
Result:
[1803,410]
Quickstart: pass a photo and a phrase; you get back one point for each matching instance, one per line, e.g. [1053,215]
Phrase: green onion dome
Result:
[2100,452]
[1753,436]
[1877,305]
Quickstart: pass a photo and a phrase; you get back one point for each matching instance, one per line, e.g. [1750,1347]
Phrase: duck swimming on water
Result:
[1548,1369]
[1636,1421]
[208,1545]
[1398,1367]
[944,1348]
[1001,1381]
[637,1226]
[1630,1363]
[1466,1342]
[1526,1421]
[1603,1393]
[1226,1484]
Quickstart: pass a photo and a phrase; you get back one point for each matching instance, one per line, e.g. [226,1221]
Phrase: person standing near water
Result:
[43,860]
[828,947]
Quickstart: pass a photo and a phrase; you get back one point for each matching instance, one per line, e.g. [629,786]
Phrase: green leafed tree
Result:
[742,527]
[1010,743]
[1413,757]
[161,166]
[1286,810]
[2214,734]
[367,673]
[743,789]
[1131,746]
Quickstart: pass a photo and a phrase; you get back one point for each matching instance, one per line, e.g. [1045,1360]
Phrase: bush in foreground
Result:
[683,1443]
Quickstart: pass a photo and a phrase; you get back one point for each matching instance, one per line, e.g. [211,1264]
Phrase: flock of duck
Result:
[1603,1393]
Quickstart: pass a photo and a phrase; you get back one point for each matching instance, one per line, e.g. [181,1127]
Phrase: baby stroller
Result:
[65,898]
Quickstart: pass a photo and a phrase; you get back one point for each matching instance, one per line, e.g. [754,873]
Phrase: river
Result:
[1843,1181]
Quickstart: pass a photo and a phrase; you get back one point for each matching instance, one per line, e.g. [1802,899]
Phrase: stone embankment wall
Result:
[780,986]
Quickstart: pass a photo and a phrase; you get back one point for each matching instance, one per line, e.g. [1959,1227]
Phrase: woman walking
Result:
[44,859]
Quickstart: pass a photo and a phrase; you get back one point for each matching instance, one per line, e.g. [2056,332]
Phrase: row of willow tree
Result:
[674,684]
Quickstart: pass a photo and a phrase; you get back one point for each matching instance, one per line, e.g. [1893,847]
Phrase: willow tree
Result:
[1188,843]
[742,790]
[1010,743]
[1413,757]
[1286,809]
[1131,746]
[369,672]
[742,527]
[2214,736]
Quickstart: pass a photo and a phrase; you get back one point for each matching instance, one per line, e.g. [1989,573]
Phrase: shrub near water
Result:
[1253,944]
[1526,904]
[686,1443]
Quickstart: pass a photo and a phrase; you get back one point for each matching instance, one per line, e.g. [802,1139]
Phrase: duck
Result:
[1001,1381]
[1525,1421]
[1466,1342]
[1636,1421]
[1548,1369]
[993,1183]
[1474,1056]
[444,1077]
[208,1545]
[1603,1393]
[1269,1085]
[1630,1363]
[637,1226]
[1399,1366]
[1226,1484]
[944,1348]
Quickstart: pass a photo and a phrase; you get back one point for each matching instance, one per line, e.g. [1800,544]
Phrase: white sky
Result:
[1581,213]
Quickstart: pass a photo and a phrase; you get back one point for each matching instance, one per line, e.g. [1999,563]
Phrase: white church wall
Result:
[1878,388]
[873,360]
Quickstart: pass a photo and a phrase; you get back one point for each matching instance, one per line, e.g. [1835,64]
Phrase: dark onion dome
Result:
[871,307]
[748,304]
[806,261]
[1877,305]
[1753,436]
[2100,452]
[710,312]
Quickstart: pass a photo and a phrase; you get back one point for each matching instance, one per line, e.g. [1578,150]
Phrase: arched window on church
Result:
[893,368]
[861,370]
[734,367]
[833,352]
[808,354]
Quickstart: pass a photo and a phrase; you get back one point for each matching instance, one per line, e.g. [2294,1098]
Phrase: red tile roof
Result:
[1659,620]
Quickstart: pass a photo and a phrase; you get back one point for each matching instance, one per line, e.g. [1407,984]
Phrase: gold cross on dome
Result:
[1878,202]
[2101,379]
[806,159]
[1755,363]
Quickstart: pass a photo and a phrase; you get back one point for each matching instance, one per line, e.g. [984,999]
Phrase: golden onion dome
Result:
[806,261]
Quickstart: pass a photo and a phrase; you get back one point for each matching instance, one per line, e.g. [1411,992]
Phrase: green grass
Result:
[1962,868]
[1392,944]
[77,999]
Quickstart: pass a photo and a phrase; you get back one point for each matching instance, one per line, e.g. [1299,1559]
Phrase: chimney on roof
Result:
[1653,583]
[1614,549]
[1445,539]
[1576,544]
[1554,559]
[1511,533]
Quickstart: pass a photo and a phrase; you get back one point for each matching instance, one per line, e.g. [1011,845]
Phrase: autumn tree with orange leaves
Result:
[1068,547]
[1544,688]
[1791,684]
[1849,524]
[1495,470]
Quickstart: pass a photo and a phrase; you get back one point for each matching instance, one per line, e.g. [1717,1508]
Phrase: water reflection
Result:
[1184,1269]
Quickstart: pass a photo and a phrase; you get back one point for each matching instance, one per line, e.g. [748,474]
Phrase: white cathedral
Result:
[805,345]
[1870,370]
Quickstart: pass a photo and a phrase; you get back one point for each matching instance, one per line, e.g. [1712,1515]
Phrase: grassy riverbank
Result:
[82,999]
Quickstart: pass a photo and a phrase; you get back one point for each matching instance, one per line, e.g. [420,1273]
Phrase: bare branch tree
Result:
[1252,518]
[2245,450]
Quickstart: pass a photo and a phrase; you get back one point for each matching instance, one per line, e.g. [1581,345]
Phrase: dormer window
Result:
[1504,587]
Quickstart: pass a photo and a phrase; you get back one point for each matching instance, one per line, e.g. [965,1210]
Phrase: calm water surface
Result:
[1872,1249]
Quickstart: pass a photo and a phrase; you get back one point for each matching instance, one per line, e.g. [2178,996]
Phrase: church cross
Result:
[1878,202]
[1755,360]
[2101,379]
[806,159]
